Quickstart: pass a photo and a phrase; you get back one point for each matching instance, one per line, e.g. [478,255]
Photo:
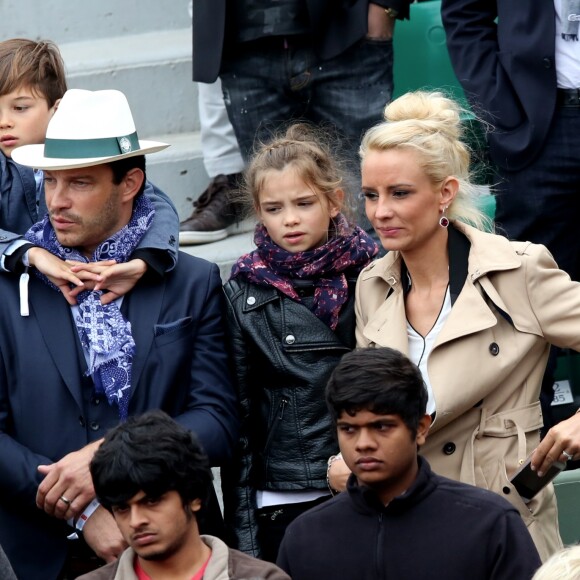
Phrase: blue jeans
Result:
[272,82]
[268,85]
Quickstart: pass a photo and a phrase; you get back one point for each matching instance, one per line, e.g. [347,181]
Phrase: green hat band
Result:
[90,148]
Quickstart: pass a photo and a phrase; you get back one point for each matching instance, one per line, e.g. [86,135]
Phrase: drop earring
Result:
[444,220]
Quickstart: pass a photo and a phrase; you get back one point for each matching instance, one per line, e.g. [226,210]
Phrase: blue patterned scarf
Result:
[348,251]
[104,332]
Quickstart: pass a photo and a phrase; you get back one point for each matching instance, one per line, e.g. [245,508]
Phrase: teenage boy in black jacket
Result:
[398,519]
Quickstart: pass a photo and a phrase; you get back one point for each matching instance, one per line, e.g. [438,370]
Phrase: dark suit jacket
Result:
[48,407]
[507,69]
[336,25]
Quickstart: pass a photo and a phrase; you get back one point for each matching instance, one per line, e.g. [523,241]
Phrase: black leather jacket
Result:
[283,356]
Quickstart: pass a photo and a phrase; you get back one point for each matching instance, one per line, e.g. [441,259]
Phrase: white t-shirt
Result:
[567,43]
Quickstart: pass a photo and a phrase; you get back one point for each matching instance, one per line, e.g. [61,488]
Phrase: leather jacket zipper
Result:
[279,416]
[283,404]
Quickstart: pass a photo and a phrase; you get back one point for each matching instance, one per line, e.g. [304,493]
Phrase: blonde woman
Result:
[475,312]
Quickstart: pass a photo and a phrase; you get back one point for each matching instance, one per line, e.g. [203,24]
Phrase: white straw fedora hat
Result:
[88,128]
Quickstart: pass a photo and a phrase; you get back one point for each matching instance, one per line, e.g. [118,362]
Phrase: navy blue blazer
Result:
[507,68]
[336,25]
[48,407]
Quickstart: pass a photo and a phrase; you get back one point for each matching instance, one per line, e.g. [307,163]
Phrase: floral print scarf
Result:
[348,251]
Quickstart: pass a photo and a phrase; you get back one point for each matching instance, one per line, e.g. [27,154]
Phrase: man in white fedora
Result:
[70,373]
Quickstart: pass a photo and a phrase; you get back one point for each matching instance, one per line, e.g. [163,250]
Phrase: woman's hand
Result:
[564,436]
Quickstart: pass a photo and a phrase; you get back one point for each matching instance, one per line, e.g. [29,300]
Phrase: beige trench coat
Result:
[485,372]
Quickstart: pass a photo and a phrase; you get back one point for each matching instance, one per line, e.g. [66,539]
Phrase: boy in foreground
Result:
[152,475]
[398,519]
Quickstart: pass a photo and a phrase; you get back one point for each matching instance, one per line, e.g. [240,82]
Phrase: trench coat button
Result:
[82,421]
[290,339]
[449,448]
[3,237]
[506,489]
[494,348]
[547,62]
[251,300]
[94,426]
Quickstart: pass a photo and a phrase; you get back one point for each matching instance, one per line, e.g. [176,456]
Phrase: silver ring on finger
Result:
[568,456]
[65,500]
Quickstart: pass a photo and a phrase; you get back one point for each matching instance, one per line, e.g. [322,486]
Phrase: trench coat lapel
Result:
[388,327]
[470,314]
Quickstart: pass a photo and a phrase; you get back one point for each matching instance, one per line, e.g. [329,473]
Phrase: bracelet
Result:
[331,460]
[87,513]
[391,12]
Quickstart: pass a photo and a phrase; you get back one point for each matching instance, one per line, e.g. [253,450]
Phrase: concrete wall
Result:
[141,47]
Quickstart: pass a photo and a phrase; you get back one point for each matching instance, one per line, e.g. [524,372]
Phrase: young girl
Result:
[291,318]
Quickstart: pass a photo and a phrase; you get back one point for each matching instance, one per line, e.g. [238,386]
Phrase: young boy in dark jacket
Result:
[398,519]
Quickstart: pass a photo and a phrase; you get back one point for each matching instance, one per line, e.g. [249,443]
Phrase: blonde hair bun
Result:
[428,112]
